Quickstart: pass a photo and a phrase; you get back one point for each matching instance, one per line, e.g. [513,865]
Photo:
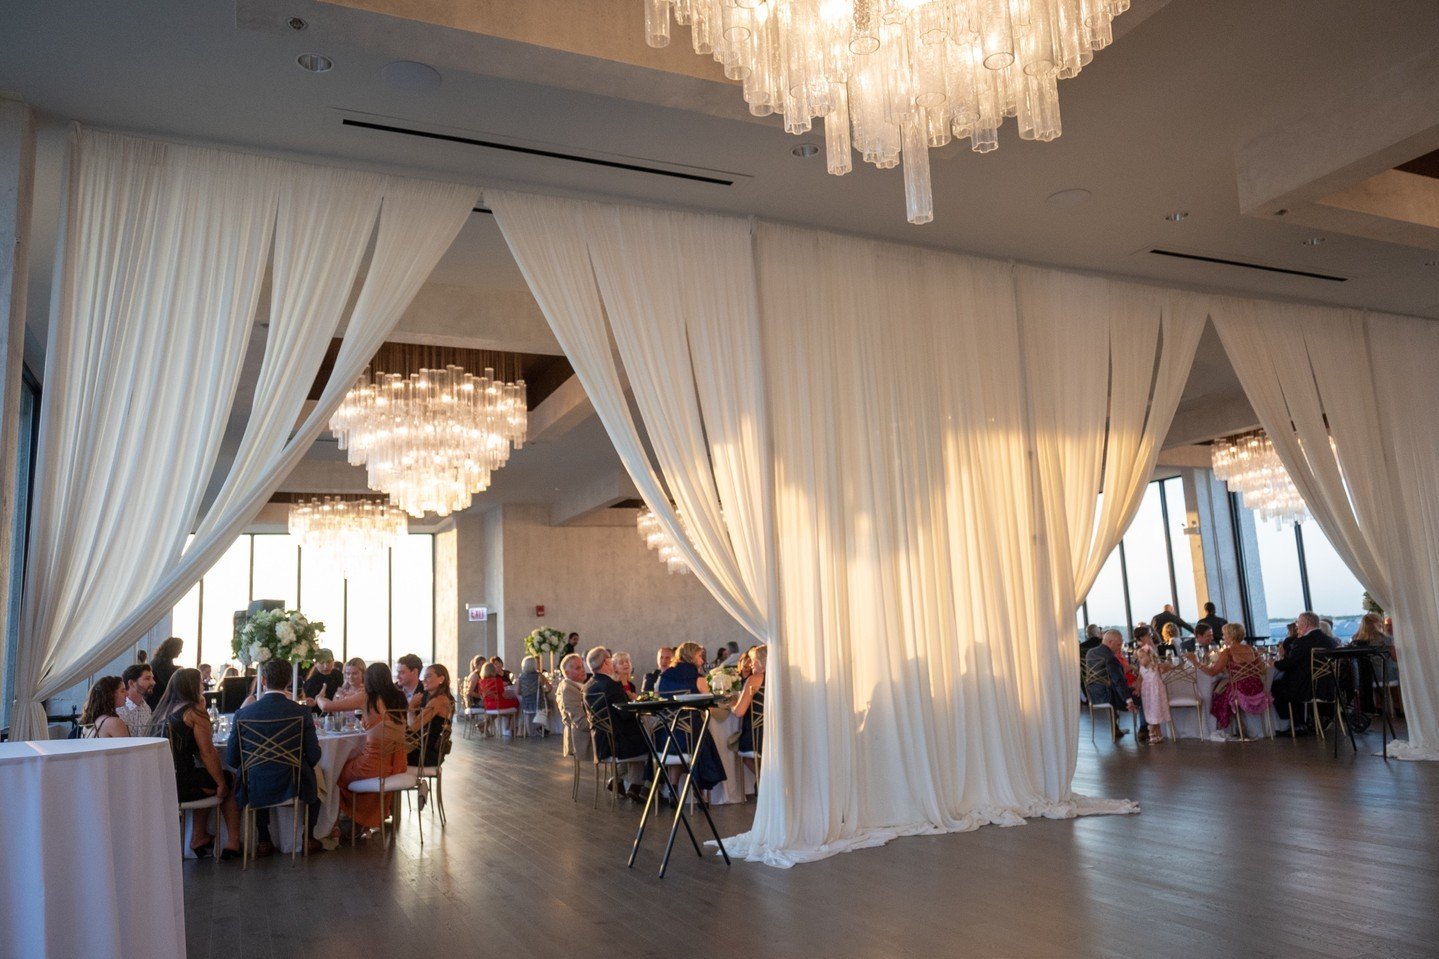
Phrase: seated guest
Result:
[101,712]
[197,765]
[1248,693]
[271,783]
[1105,660]
[1093,635]
[383,716]
[1168,639]
[1294,686]
[1291,633]
[471,692]
[349,696]
[493,690]
[139,680]
[207,681]
[1202,642]
[602,692]
[750,706]
[684,676]
[663,659]
[729,654]
[435,713]
[230,672]
[572,643]
[324,676]
[407,675]
[625,673]
[501,671]
[1371,633]
[570,698]
[533,687]
[1142,635]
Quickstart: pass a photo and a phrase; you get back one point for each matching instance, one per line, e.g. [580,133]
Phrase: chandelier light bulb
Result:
[894,78]
[431,440]
[1249,466]
[350,534]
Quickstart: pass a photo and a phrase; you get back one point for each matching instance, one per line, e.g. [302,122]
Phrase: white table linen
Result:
[737,777]
[65,806]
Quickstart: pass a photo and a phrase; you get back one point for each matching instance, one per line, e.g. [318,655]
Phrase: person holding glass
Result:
[1248,693]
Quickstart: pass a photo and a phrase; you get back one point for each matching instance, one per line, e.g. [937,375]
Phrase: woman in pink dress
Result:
[1246,692]
[1152,691]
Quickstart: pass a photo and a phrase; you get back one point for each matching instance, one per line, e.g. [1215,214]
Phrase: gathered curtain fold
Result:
[866,480]
[165,250]
[1352,407]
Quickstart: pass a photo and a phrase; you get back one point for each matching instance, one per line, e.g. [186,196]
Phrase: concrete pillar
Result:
[17,184]
[1226,565]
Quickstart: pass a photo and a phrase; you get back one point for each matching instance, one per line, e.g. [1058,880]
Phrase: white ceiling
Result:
[1151,126]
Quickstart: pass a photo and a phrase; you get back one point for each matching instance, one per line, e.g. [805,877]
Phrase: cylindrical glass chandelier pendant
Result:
[918,197]
[838,157]
[657,23]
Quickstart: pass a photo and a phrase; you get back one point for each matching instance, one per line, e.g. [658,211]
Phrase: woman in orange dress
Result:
[384,750]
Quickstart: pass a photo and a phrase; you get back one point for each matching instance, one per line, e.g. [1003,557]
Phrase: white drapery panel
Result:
[166,246]
[1351,404]
[918,678]
[676,292]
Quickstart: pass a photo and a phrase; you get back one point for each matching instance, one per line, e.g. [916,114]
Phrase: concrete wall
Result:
[601,582]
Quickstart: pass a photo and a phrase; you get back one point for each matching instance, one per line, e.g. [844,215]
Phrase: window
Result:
[1279,569]
[1145,559]
[15,562]
[1106,601]
[1181,559]
[396,598]
[1333,589]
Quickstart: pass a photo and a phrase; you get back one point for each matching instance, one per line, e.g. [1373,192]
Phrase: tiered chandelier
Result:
[1249,466]
[657,539]
[431,439]
[893,78]
[350,533]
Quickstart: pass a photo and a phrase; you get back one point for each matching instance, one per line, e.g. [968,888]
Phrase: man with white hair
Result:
[618,734]
[1103,660]
[1293,685]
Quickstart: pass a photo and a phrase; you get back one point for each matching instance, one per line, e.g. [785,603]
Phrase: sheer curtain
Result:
[165,249]
[921,673]
[1352,407]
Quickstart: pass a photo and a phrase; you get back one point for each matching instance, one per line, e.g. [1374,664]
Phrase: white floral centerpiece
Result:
[545,640]
[725,680]
[283,634]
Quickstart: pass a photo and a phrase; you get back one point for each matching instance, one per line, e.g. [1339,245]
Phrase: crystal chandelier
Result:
[350,533]
[431,439]
[657,539]
[1249,466]
[892,78]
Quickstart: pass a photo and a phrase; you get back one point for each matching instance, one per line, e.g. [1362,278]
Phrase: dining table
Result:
[336,747]
[89,831]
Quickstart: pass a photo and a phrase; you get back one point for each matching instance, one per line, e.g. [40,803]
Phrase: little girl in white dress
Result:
[1153,692]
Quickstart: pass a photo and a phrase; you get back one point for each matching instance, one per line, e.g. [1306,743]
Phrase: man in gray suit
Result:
[1104,659]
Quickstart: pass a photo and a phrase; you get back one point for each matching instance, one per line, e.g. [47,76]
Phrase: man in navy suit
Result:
[270,783]
[602,693]
[1293,685]
[1104,659]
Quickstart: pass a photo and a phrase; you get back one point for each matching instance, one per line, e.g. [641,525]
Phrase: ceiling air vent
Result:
[1251,266]
[632,164]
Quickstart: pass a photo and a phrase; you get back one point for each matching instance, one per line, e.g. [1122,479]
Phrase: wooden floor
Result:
[1254,850]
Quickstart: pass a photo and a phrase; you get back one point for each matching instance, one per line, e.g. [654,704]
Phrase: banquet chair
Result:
[435,774]
[755,755]
[277,743]
[389,784]
[602,729]
[1181,686]
[1323,688]
[687,723]
[498,717]
[1251,670]
[1094,677]
[474,714]
[202,805]
[573,731]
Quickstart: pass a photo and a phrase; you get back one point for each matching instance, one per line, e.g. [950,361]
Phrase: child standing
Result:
[1153,692]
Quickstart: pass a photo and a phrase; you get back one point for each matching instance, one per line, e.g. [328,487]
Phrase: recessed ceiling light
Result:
[805,150]
[296,23]
[315,62]
[1281,212]
[1314,241]
[1177,215]
[1065,199]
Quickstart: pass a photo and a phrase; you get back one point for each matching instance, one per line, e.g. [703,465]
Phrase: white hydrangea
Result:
[285,632]
[262,655]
